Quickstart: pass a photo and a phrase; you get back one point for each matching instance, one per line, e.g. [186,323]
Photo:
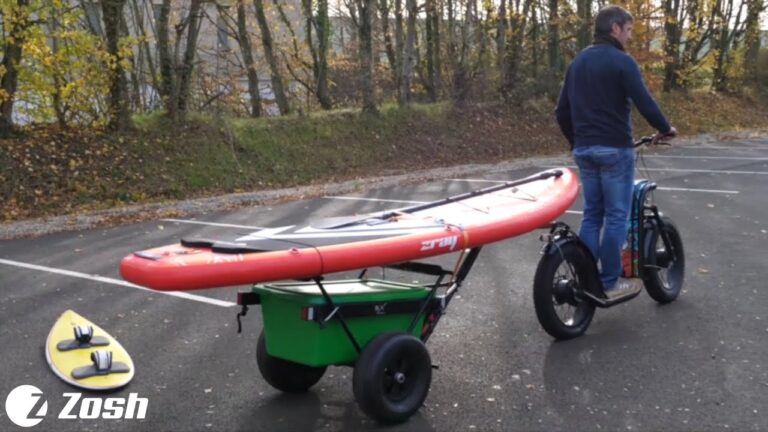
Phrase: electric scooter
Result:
[567,286]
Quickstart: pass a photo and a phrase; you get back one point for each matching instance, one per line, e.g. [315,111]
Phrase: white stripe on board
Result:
[689,170]
[212,224]
[730,192]
[374,199]
[574,212]
[103,279]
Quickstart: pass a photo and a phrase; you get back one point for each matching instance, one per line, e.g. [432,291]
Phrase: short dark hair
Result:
[608,16]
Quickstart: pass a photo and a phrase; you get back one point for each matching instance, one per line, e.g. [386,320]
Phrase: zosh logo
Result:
[23,406]
[109,409]
[26,408]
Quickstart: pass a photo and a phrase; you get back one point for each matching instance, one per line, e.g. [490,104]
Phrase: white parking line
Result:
[658,156]
[688,170]
[103,279]
[722,147]
[374,199]
[185,221]
[728,192]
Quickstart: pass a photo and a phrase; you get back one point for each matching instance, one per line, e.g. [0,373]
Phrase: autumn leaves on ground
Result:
[49,171]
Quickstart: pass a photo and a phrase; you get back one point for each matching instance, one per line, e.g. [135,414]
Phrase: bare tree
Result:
[728,24]
[409,56]
[269,53]
[365,49]
[119,113]
[244,42]
[16,25]
[752,39]
[317,19]
[672,32]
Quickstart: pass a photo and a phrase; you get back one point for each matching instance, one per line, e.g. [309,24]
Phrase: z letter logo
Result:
[25,406]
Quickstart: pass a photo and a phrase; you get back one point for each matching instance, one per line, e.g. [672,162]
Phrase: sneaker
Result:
[624,286]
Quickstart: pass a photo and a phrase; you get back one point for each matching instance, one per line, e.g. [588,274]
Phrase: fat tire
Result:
[375,391]
[653,282]
[543,285]
[285,375]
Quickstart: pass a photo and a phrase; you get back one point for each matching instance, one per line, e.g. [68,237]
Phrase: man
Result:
[594,115]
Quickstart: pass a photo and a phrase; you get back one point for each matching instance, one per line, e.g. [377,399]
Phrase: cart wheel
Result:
[558,287]
[392,377]
[284,375]
[664,267]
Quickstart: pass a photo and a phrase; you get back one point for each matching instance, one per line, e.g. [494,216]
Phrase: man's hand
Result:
[660,136]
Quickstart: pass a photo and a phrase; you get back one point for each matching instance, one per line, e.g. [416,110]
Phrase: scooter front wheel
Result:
[664,268]
[558,292]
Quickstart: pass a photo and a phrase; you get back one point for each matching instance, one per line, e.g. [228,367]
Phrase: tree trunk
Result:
[671,44]
[406,74]
[367,85]
[435,77]
[188,62]
[53,23]
[244,41]
[501,36]
[119,115]
[389,45]
[399,42]
[12,51]
[144,43]
[269,53]
[514,48]
[167,90]
[752,40]
[323,30]
[584,35]
[430,48]
[553,44]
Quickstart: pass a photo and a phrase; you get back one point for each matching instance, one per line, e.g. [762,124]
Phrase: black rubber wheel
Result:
[284,375]
[392,377]
[558,293]
[664,269]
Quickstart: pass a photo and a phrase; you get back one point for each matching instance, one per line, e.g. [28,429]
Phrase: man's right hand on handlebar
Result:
[669,134]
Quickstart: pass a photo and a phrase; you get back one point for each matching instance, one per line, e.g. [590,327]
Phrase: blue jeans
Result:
[607,178]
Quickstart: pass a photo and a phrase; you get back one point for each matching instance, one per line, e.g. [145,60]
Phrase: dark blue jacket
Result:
[595,102]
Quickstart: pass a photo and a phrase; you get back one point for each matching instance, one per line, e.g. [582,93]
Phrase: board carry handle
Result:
[102,365]
[84,338]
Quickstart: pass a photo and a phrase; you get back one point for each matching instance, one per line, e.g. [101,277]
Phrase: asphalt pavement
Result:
[699,363]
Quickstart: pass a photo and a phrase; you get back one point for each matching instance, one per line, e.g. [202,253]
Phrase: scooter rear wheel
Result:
[558,292]
[664,268]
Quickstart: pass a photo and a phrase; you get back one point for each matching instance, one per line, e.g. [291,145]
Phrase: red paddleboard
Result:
[340,244]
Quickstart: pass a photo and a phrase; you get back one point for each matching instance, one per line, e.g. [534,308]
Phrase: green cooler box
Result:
[295,325]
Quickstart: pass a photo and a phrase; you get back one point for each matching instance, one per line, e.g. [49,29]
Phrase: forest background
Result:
[113,102]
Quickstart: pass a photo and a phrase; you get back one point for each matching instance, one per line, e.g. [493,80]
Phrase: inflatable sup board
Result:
[84,355]
[340,244]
